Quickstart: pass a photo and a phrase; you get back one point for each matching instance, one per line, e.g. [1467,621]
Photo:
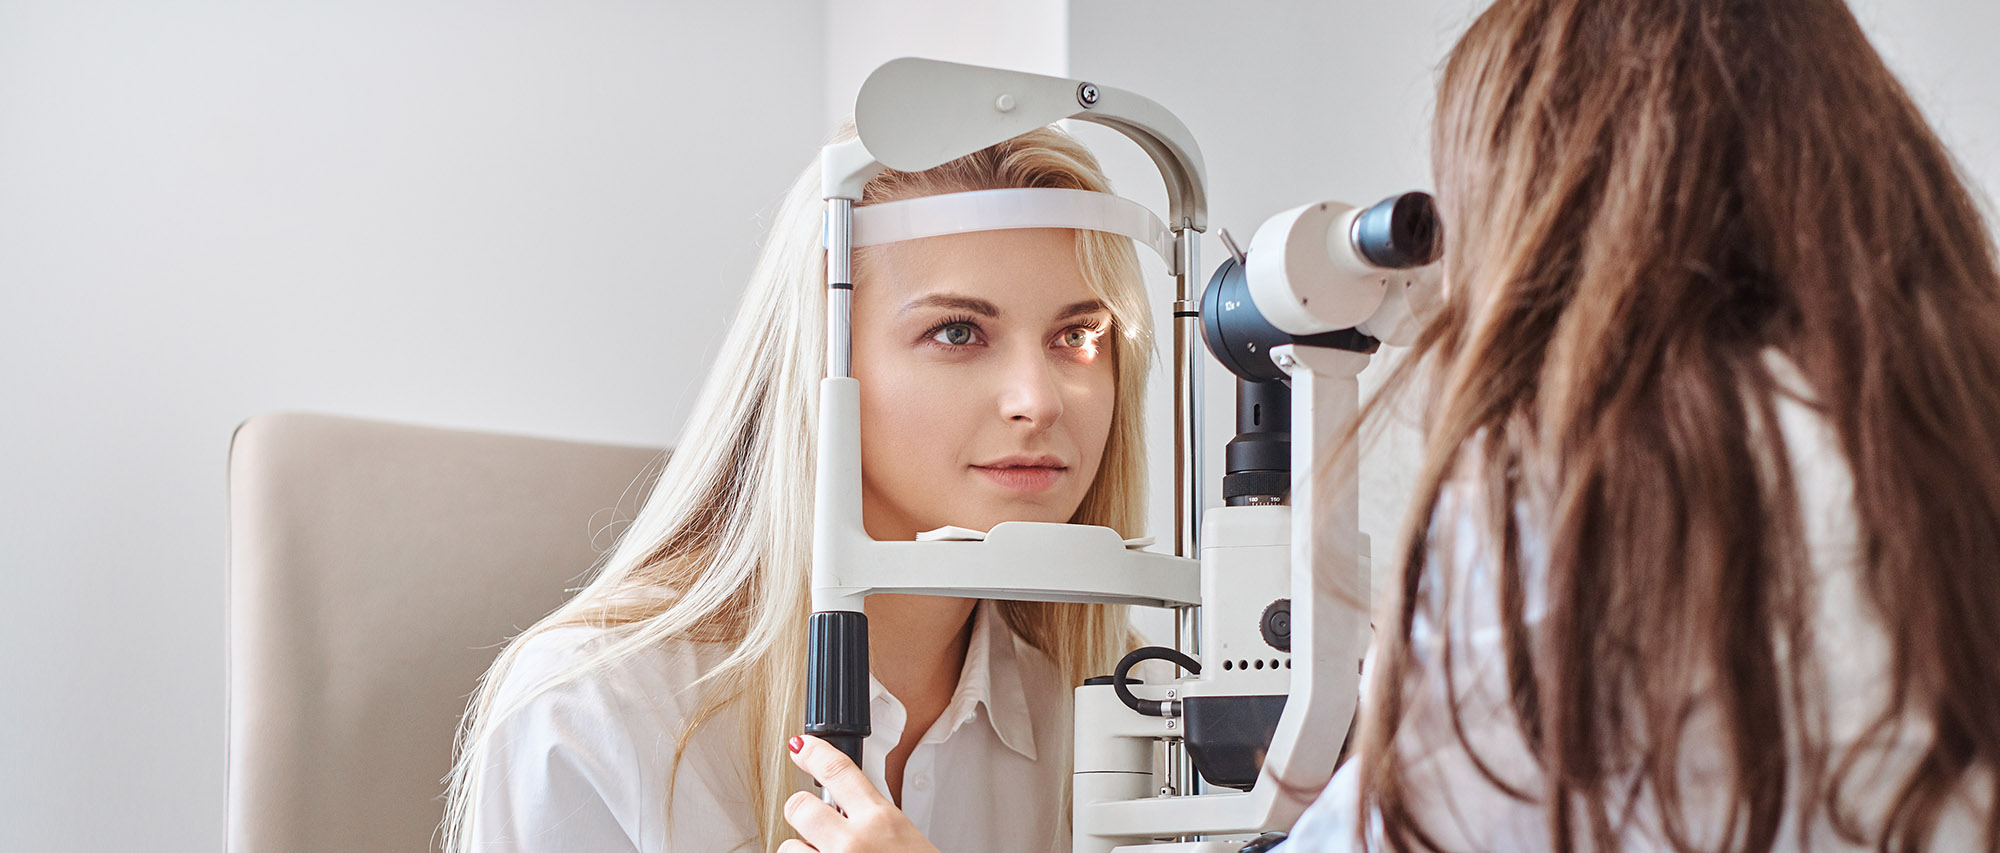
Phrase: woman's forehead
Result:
[1031,271]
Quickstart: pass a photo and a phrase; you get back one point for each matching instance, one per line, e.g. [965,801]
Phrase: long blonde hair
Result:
[721,551]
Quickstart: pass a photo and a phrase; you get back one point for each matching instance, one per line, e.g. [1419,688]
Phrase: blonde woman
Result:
[1002,376]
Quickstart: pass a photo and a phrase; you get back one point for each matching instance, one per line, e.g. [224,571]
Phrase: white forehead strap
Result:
[996,210]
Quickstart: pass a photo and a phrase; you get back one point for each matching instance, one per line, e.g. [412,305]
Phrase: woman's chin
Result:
[1018,511]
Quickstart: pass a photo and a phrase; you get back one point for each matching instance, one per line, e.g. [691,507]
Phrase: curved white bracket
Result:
[1012,207]
[914,114]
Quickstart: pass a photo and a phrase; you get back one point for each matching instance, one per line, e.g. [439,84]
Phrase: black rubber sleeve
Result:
[837,680]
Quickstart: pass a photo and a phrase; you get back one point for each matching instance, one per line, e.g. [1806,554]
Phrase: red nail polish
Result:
[796,743]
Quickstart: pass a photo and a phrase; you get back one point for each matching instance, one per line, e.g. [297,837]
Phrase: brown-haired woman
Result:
[1711,500]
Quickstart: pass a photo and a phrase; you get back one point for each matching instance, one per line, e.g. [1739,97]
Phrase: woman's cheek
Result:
[925,410]
[1095,405]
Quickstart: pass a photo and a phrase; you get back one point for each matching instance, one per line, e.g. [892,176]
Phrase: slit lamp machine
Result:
[1270,591]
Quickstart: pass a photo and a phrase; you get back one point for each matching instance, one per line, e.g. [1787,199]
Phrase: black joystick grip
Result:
[837,680]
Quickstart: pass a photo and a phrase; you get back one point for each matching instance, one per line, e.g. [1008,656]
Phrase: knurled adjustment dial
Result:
[1276,624]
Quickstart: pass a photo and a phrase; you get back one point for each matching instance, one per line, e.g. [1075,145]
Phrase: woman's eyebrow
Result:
[987,309]
[1088,306]
[953,301]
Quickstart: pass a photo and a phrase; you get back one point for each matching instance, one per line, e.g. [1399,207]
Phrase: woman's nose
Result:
[1029,394]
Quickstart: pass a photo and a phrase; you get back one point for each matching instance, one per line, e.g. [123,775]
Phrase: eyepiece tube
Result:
[1399,232]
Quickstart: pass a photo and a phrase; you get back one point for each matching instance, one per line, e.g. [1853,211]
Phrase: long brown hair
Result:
[1641,198]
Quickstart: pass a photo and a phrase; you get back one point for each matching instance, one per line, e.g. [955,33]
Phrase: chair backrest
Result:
[374,572]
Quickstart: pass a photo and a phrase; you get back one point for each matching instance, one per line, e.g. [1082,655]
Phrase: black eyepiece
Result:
[1400,232]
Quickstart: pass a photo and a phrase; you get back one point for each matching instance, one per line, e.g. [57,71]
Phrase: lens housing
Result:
[1400,232]
[1239,336]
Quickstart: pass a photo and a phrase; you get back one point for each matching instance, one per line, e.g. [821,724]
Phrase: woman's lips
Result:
[1026,479]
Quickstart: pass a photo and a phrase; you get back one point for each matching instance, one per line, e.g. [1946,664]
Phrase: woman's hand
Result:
[871,825]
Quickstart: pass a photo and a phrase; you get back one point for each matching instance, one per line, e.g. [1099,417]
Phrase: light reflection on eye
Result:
[1084,339]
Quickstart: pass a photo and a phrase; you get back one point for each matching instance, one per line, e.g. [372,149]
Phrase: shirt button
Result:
[923,782]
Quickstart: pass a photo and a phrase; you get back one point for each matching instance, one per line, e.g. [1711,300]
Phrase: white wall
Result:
[1025,35]
[518,216]
[1943,51]
[465,213]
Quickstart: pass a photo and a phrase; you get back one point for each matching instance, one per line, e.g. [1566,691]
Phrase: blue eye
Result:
[955,334]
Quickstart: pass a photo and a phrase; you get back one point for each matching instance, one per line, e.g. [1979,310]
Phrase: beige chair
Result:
[374,571]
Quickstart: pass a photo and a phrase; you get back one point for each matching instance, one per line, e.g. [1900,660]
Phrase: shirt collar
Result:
[991,677]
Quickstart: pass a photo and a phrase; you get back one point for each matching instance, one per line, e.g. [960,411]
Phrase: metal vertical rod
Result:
[839,287]
[1187,394]
[1188,439]
[1188,445]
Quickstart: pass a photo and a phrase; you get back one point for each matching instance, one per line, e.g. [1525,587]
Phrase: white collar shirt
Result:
[586,764]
